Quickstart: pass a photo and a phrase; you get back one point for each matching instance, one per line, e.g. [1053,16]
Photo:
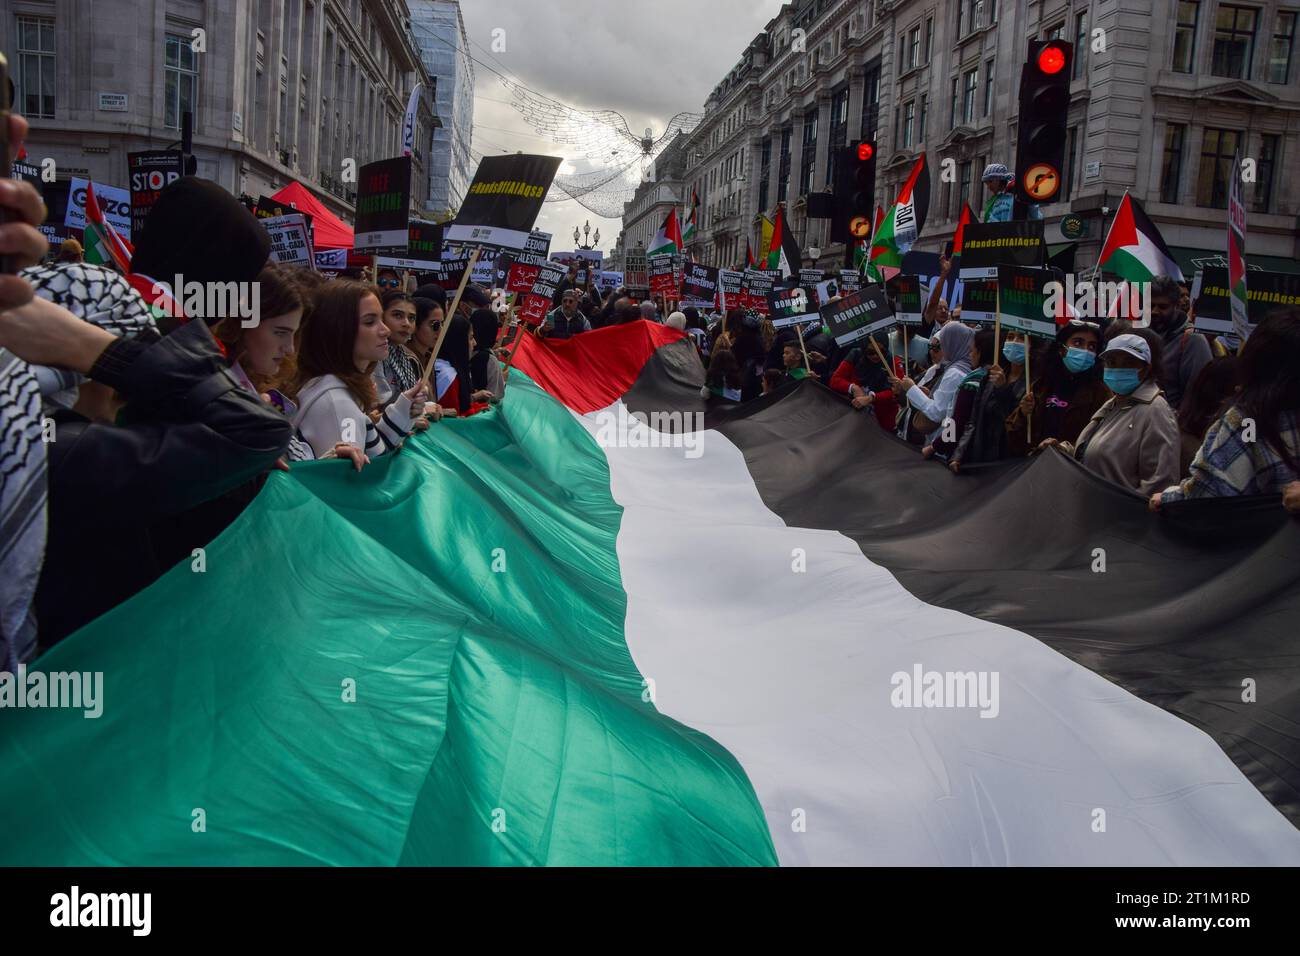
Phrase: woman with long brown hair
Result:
[341,345]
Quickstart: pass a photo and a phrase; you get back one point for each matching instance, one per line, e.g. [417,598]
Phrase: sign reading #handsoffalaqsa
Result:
[504,200]
[987,245]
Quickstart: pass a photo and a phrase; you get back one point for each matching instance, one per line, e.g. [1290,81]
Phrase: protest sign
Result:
[979,301]
[755,287]
[663,278]
[448,272]
[609,279]
[423,248]
[987,245]
[636,274]
[504,200]
[729,282]
[1022,294]
[1265,292]
[700,285]
[850,281]
[904,292]
[858,315]
[289,244]
[539,298]
[331,260]
[150,172]
[523,271]
[383,198]
[114,201]
[790,307]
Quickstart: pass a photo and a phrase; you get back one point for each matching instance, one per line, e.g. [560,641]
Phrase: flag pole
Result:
[806,364]
[446,322]
[1029,384]
[997,325]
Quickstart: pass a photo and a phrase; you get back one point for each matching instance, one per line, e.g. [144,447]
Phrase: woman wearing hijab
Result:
[452,380]
[1132,440]
[968,392]
[1254,447]
[1065,394]
[863,378]
[984,437]
[955,349]
[484,368]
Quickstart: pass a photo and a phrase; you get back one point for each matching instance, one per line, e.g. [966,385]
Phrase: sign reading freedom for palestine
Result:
[383,197]
[503,201]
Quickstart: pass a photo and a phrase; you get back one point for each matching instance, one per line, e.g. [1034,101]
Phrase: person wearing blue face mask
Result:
[1132,440]
[984,438]
[1067,389]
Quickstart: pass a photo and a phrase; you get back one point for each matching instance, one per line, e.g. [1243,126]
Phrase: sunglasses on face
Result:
[388,283]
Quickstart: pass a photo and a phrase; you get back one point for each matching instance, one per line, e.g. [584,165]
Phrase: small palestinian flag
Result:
[749,255]
[1134,248]
[689,234]
[668,240]
[103,245]
[905,219]
[785,255]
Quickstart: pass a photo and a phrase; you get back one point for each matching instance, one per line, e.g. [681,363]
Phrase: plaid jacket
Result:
[1226,464]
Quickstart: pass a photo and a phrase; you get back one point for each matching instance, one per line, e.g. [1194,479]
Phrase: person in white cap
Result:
[1000,203]
[677,321]
[1132,439]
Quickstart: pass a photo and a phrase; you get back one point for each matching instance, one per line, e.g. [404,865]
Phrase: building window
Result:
[180,82]
[909,123]
[1171,170]
[974,14]
[1185,36]
[839,130]
[35,81]
[764,171]
[808,155]
[783,174]
[1217,152]
[1055,32]
[1080,44]
[968,96]
[1234,41]
[988,87]
[870,104]
[1279,51]
[914,47]
[1265,173]
[952,109]
[925,113]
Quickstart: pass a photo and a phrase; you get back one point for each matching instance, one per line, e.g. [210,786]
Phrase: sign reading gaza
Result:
[504,200]
[858,315]
[987,245]
[383,197]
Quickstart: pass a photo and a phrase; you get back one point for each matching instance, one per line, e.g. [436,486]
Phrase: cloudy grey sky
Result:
[647,60]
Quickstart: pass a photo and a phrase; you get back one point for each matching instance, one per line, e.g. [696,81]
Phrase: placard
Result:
[1265,291]
[729,284]
[663,277]
[538,301]
[636,273]
[987,245]
[504,200]
[904,292]
[1023,294]
[700,285]
[289,243]
[790,307]
[979,301]
[523,270]
[114,203]
[858,315]
[383,201]
[423,248]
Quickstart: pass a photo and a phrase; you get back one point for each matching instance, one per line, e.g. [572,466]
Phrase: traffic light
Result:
[1044,104]
[855,192]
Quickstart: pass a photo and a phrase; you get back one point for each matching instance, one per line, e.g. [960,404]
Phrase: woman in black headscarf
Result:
[485,370]
[453,381]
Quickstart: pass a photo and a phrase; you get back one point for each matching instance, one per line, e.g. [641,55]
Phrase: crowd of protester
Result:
[166,425]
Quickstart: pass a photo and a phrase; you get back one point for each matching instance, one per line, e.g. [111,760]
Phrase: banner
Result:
[987,245]
[858,315]
[504,200]
[423,248]
[1267,291]
[636,274]
[610,279]
[979,300]
[540,297]
[729,283]
[1023,294]
[523,271]
[755,287]
[289,243]
[663,277]
[150,172]
[788,307]
[904,293]
[330,260]
[700,285]
[409,120]
[113,200]
[383,201]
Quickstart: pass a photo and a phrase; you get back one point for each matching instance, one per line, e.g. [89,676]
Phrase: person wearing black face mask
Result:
[1065,392]
[1186,351]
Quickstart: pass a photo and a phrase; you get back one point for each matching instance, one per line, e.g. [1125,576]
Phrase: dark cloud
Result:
[647,61]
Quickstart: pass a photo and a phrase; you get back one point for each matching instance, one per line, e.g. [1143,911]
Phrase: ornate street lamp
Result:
[586,239]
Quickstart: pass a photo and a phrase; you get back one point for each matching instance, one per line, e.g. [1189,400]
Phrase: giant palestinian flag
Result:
[1134,248]
[568,631]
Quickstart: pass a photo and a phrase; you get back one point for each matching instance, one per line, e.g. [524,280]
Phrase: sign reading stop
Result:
[150,173]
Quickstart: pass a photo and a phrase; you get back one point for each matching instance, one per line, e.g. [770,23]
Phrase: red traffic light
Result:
[865,151]
[1051,59]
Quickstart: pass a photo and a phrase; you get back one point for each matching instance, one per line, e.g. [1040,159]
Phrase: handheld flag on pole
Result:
[1237,255]
[749,255]
[1134,248]
[904,220]
[765,238]
[668,240]
[785,255]
[691,219]
[103,245]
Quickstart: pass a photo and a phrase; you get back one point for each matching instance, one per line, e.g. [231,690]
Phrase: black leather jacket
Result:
[188,433]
